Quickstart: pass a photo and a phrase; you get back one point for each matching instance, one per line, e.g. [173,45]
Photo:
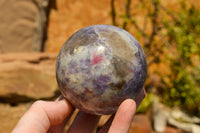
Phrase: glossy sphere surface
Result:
[100,66]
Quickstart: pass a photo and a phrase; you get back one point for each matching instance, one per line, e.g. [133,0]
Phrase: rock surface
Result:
[10,115]
[27,76]
[24,78]
[22,29]
[72,15]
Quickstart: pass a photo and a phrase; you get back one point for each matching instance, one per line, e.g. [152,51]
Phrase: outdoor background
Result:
[33,31]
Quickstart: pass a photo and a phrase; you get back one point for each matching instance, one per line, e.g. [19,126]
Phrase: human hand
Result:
[52,117]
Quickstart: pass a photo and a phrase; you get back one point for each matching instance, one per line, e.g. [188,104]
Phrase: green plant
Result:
[172,39]
[184,90]
[146,103]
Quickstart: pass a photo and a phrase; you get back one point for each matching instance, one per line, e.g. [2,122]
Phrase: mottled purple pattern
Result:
[103,79]
[100,66]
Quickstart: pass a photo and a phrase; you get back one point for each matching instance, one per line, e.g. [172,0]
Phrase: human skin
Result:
[52,117]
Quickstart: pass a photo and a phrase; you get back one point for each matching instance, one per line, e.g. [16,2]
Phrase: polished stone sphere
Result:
[100,66]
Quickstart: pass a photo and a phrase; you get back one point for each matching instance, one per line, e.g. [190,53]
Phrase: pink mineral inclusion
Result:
[96,58]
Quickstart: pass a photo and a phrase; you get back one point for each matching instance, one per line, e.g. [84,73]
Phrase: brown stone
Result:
[68,16]
[72,15]
[27,76]
[22,25]
[10,115]
[141,124]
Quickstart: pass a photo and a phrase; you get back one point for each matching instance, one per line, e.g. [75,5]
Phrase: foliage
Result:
[185,88]
[146,103]
[173,40]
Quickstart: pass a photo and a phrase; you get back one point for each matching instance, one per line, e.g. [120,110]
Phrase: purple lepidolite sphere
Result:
[100,66]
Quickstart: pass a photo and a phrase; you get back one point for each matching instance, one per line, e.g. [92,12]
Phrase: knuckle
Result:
[38,103]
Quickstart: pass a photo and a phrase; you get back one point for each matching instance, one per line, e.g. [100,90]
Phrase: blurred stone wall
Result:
[23,25]
[24,78]
[27,69]
[68,16]
[26,74]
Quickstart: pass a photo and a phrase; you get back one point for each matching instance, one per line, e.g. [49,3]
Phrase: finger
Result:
[42,115]
[123,117]
[59,128]
[84,123]
[140,97]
